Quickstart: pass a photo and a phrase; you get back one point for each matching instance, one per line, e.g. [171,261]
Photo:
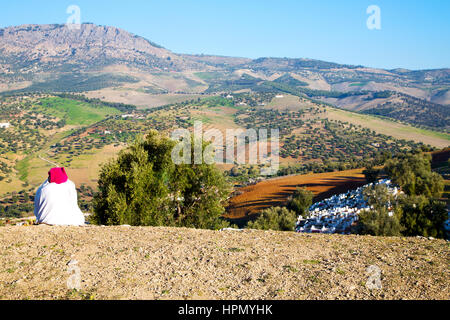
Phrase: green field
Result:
[359,84]
[74,112]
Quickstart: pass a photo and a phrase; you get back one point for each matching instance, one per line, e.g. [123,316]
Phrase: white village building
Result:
[338,213]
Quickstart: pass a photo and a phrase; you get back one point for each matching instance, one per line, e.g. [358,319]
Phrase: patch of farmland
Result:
[74,112]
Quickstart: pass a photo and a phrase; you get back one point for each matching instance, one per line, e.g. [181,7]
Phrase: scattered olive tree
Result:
[383,218]
[300,202]
[275,218]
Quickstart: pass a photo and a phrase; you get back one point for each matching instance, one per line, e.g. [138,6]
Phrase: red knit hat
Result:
[57,175]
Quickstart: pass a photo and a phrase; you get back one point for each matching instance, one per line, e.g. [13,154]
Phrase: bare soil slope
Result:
[167,263]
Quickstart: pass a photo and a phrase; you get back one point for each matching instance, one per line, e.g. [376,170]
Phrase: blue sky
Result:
[415,34]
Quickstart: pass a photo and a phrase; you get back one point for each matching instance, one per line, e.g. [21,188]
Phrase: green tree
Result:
[371,174]
[423,216]
[378,196]
[421,213]
[413,174]
[300,202]
[275,218]
[143,186]
[378,221]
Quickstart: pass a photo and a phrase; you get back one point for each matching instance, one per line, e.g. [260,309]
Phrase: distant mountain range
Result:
[55,58]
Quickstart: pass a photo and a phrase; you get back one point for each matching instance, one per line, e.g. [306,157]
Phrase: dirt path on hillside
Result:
[163,263]
[48,161]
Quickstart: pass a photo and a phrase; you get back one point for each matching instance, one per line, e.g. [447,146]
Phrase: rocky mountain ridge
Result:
[39,47]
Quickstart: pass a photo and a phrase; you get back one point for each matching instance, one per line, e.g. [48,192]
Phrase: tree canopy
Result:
[144,187]
[416,212]
[379,221]
[412,172]
[300,201]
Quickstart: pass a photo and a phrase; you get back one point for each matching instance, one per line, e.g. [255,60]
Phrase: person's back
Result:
[56,201]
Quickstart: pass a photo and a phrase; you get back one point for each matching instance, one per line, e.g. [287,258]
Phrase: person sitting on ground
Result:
[56,201]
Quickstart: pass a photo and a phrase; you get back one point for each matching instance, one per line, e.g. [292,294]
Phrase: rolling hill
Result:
[115,65]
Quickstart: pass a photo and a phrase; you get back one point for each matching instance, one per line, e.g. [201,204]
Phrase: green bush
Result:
[276,218]
[378,223]
[417,212]
[143,187]
[412,172]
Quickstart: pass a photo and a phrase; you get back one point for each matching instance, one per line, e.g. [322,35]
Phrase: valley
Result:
[81,134]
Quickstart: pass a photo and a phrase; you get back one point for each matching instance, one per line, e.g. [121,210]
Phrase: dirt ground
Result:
[42,262]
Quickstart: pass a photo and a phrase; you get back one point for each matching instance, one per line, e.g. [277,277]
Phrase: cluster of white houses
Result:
[338,213]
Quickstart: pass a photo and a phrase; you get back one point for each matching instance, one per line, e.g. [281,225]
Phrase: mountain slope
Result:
[398,106]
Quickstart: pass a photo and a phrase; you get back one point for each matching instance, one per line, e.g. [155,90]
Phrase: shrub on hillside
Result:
[421,212]
[412,172]
[423,216]
[276,218]
[378,221]
[300,202]
[417,211]
[144,187]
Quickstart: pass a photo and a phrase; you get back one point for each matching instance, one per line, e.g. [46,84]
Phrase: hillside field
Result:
[74,112]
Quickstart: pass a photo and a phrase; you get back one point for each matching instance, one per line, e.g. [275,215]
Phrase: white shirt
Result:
[57,204]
